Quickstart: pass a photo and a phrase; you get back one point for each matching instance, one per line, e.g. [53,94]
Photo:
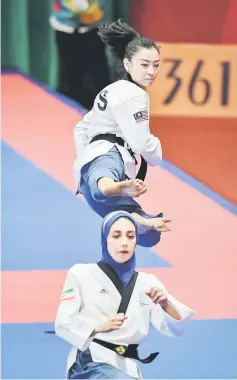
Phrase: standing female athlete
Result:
[107,308]
[116,129]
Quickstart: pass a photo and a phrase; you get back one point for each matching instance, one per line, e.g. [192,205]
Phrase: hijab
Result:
[125,270]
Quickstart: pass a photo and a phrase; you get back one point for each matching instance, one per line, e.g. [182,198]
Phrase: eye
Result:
[115,236]
[131,236]
[157,66]
[144,64]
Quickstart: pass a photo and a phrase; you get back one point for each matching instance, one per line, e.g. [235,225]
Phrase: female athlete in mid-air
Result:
[116,129]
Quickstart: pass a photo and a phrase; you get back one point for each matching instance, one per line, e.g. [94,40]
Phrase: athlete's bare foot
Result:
[159,224]
[133,187]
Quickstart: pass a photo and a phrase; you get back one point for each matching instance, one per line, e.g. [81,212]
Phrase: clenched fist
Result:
[113,323]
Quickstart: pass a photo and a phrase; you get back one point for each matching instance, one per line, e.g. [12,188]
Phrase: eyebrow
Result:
[157,60]
[116,231]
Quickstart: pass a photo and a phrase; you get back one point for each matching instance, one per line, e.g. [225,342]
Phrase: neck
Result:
[129,78]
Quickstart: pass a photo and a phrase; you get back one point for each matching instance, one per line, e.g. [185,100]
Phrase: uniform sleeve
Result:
[162,321]
[69,324]
[132,118]
[81,138]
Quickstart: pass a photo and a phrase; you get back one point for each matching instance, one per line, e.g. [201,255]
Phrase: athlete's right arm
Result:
[132,117]
[81,138]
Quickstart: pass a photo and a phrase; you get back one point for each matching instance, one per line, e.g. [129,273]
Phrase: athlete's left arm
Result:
[168,315]
[132,117]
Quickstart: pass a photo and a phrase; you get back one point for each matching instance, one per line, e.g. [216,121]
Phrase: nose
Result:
[150,71]
[124,242]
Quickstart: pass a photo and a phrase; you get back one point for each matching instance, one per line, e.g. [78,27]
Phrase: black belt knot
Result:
[130,351]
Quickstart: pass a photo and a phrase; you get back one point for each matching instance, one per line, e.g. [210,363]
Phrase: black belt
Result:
[129,351]
[118,140]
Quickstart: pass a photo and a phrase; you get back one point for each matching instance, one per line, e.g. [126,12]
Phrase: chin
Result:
[148,83]
[123,259]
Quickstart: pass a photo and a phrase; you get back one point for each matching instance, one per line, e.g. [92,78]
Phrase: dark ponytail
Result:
[123,42]
[117,36]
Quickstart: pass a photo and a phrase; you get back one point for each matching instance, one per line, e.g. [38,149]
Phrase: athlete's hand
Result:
[158,296]
[113,323]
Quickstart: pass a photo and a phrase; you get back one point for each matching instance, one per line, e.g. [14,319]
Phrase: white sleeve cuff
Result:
[175,326]
[78,336]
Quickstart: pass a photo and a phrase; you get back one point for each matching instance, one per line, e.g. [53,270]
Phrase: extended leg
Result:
[156,223]
[109,168]
[109,187]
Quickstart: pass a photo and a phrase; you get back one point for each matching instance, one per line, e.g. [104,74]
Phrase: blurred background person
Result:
[80,75]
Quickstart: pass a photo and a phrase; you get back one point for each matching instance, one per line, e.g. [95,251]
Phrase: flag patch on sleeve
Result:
[68,295]
[141,116]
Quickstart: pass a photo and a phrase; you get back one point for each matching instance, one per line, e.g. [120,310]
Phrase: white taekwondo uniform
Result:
[122,108]
[89,298]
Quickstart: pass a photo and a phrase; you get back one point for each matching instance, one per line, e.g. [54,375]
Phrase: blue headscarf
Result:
[126,270]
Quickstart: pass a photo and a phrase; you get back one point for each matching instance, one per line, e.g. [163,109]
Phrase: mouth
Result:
[123,252]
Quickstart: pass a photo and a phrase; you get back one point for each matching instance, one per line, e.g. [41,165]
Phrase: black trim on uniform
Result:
[130,351]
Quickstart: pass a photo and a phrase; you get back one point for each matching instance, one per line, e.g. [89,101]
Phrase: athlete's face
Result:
[144,66]
[121,241]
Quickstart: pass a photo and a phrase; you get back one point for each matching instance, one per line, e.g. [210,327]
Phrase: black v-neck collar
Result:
[110,272]
[125,292]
